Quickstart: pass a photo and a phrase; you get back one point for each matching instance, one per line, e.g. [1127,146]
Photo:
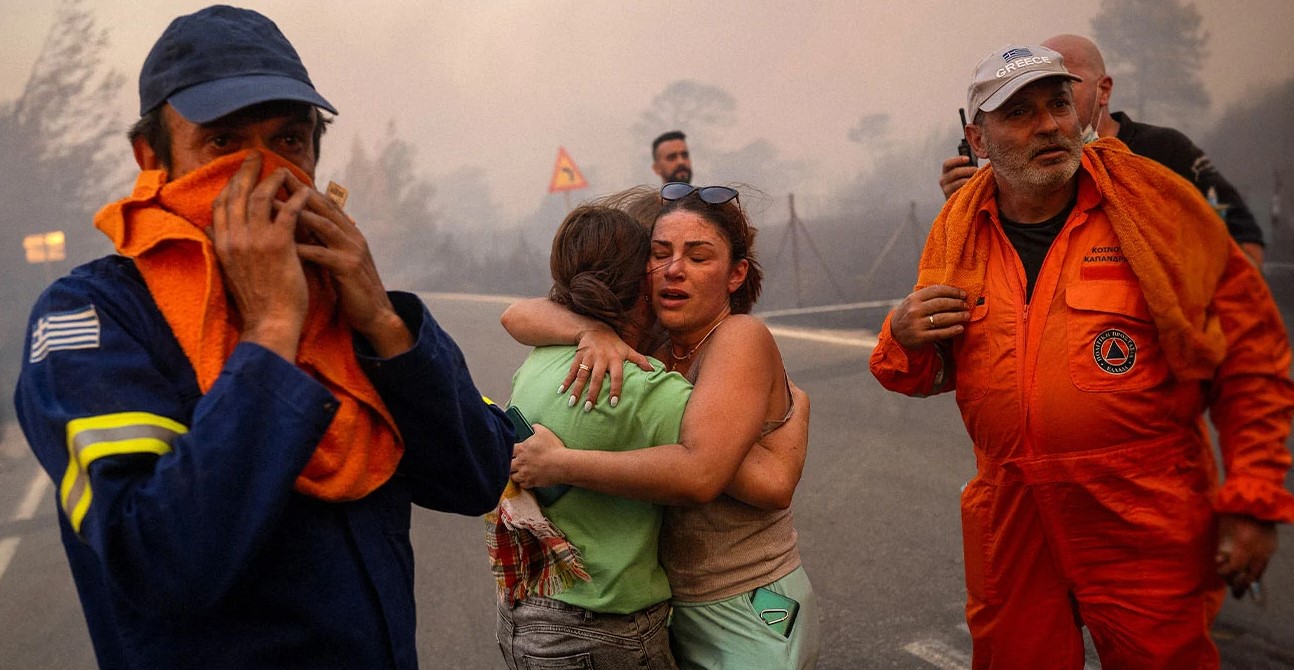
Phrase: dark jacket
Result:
[1172,149]
[193,549]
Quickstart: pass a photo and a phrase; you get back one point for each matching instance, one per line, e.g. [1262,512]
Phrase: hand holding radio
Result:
[960,168]
[964,147]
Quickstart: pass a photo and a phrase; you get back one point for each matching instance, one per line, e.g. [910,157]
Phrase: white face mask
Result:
[1089,131]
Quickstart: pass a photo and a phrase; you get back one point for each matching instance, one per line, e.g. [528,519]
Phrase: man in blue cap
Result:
[237,413]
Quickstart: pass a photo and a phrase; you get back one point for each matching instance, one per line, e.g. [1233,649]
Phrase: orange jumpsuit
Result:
[1096,488]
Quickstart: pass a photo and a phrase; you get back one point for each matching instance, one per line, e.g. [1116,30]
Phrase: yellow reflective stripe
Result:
[123,420]
[487,400]
[75,508]
[94,437]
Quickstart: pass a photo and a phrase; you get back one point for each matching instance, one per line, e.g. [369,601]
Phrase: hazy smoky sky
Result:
[500,85]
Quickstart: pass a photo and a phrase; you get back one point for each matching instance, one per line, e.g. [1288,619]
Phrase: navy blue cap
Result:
[219,60]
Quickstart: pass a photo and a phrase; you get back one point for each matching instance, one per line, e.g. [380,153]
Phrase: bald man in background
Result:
[1166,146]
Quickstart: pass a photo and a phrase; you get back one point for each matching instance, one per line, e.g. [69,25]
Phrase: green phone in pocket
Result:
[775,609]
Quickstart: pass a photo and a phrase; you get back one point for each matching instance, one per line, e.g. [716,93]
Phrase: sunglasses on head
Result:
[713,195]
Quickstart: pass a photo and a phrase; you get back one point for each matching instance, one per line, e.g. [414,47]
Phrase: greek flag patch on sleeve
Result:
[77,329]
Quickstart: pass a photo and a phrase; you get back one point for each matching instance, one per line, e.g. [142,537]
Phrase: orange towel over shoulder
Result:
[161,226]
[1153,212]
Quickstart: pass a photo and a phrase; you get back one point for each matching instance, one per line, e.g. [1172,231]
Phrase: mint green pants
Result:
[729,635]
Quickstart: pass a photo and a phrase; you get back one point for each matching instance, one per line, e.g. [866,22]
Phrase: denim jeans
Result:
[547,634]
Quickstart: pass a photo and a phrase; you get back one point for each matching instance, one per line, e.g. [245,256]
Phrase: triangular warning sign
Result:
[566,177]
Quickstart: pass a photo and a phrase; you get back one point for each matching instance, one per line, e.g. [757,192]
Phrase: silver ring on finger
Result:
[931,318]
[584,367]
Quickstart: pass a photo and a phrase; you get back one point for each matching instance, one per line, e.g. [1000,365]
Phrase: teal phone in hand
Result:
[520,424]
[775,610]
[546,495]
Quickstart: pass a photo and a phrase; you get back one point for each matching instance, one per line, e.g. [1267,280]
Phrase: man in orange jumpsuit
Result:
[1085,332]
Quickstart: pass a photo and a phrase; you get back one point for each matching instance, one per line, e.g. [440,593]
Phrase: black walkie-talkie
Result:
[963,147]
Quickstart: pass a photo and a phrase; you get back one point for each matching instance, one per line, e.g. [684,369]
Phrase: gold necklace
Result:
[674,358]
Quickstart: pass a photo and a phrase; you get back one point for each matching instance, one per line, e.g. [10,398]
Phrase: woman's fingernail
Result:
[615,400]
[571,402]
[588,406]
[561,388]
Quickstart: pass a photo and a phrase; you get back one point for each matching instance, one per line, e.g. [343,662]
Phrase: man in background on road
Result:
[1166,146]
[670,159]
[1086,329]
[236,412]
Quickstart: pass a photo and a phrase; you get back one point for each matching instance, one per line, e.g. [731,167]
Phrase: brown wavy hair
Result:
[597,262]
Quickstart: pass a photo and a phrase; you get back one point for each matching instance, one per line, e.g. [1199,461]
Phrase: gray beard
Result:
[1046,179]
[1028,178]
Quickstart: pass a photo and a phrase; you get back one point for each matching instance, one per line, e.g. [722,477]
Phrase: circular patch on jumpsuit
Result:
[1114,351]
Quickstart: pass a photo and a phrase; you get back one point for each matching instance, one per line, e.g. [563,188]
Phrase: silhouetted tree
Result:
[872,133]
[465,210]
[466,202]
[871,128]
[757,164]
[58,169]
[703,111]
[392,206]
[690,106]
[1252,141]
[1155,49]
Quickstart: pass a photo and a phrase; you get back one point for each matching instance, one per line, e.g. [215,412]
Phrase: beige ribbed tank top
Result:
[726,547]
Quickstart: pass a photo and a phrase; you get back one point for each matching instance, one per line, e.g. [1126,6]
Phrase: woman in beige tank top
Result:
[729,547]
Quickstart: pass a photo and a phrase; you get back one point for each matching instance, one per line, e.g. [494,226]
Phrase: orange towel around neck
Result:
[1173,240]
[161,226]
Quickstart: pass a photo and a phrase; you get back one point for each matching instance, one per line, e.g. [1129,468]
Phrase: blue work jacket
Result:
[187,542]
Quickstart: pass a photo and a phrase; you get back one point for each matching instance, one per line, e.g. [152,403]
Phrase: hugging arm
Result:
[600,353]
[719,426]
[772,468]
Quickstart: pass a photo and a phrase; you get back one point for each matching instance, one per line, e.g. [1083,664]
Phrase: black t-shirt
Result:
[1032,240]
[1177,152]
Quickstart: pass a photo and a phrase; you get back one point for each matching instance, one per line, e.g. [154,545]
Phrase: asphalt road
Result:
[876,512]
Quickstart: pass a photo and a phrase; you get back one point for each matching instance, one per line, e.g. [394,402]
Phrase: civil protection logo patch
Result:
[1114,351]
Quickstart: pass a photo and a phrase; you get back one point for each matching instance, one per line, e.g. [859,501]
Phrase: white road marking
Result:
[8,547]
[938,654]
[31,502]
[509,299]
[25,511]
[471,297]
[819,309]
[826,337]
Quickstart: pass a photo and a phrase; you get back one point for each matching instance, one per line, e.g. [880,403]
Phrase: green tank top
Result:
[617,537]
